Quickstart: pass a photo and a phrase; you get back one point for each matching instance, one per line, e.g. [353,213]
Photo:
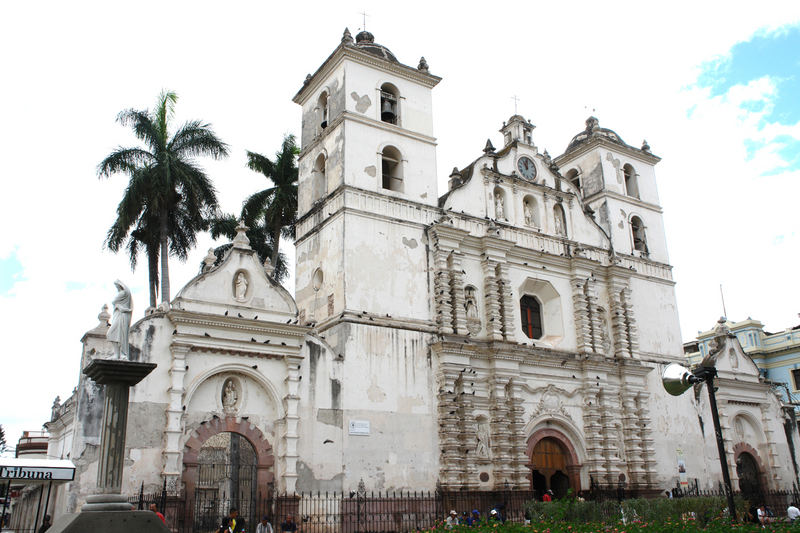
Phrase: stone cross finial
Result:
[241,241]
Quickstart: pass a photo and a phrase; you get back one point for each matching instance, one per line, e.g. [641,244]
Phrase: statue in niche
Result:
[121,321]
[528,212]
[559,220]
[482,445]
[471,305]
[240,286]
[499,206]
[229,396]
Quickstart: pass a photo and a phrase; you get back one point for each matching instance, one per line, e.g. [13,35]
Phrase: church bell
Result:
[387,112]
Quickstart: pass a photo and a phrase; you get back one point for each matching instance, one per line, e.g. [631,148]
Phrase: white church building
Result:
[509,332]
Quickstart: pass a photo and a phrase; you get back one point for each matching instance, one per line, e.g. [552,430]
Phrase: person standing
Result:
[154,508]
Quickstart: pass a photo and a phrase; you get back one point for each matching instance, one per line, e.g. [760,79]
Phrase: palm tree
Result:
[169,198]
[277,205]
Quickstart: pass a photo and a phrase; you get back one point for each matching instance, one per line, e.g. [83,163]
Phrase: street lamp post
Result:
[677,380]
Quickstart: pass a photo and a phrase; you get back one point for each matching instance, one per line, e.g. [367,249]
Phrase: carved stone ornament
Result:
[482,446]
[551,403]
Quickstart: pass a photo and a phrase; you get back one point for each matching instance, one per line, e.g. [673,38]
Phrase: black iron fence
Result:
[406,511]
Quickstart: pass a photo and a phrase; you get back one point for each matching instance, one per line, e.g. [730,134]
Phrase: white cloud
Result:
[75,66]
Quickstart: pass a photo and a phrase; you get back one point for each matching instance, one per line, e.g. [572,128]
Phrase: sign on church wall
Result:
[359,427]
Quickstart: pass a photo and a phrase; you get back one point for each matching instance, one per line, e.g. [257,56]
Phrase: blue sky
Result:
[10,272]
[772,55]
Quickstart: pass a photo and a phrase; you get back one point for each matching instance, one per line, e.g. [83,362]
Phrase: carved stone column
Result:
[501,435]
[594,317]
[646,438]
[467,434]
[773,458]
[173,431]
[630,320]
[583,334]
[632,438]
[449,431]
[611,446]
[593,433]
[291,421]
[492,297]
[457,294]
[519,455]
[441,287]
[506,301]
[619,326]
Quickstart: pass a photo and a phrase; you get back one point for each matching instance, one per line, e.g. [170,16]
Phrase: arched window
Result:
[319,184]
[560,220]
[392,169]
[631,183]
[322,105]
[639,239]
[572,177]
[390,96]
[531,313]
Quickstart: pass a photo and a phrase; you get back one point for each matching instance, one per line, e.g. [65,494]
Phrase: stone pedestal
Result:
[118,376]
[108,509]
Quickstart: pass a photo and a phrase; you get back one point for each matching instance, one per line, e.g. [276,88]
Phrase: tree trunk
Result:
[164,258]
[152,266]
[276,240]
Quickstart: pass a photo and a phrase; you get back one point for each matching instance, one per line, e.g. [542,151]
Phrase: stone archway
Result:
[263,451]
[749,469]
[554,463]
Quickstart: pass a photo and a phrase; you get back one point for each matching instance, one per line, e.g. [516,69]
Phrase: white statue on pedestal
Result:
[121,321]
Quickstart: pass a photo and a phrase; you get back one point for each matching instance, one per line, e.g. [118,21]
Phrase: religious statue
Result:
[229,396]
[528,211]
[482,446]
[121,321]
[471,307]
[240,286]
[499,207]
[560,225]
[55,408]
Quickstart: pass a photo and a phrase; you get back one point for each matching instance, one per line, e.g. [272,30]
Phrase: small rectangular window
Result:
[796,378]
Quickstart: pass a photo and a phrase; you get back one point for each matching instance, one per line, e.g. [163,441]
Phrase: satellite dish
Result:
[678,379]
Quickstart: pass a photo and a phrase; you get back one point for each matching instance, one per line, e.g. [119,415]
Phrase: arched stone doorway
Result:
[749,470]
[227,462]
[554,464]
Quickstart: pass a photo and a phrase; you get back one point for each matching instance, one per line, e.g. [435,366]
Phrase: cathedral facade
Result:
[509,333]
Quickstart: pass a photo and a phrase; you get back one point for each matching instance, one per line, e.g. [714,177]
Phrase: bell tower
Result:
[367,192]
[367,183]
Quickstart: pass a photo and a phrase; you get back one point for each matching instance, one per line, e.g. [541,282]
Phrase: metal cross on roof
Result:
[364,14]
[516,100]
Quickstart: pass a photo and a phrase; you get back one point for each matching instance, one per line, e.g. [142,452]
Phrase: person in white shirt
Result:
[264,526]
[792,512]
